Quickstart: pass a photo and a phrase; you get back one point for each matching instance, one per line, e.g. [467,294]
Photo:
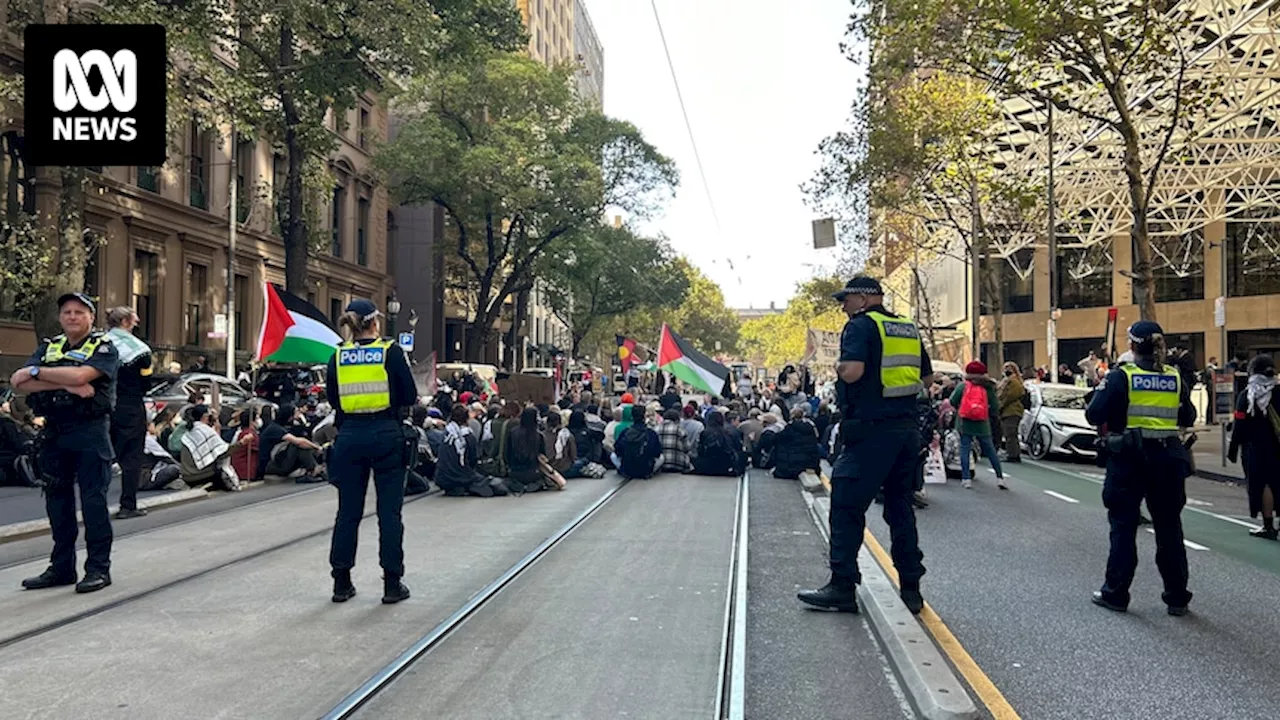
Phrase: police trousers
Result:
[1157,477]
[71,461]
[884,460]
[129,440]
[364,447]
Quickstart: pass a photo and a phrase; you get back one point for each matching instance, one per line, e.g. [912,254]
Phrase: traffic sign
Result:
[406,341]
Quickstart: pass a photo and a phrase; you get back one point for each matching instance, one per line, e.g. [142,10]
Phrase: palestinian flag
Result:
[626,352]
[678,357]
[294,331]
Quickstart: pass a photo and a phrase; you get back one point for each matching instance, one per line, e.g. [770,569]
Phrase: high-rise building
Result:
[588,54]
[162,233]
[550,26]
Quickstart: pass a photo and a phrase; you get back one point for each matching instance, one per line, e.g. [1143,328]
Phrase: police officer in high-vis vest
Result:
[882,367]
[371,389]
[70,381]
[1143,404]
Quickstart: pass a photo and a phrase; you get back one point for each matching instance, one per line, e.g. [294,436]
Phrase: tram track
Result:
[90,612]
[729,690]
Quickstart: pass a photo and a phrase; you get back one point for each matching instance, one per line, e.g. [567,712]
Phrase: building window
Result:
[149,178]
[1023,353]
[362,232]
[1072,350]
[144,293]
[93,268]
[244,178]
[335,310]
[1017,292]
[197,286]
[1253,258]
[1084,276]
[339,202]
[391,239]
[1177,263]
[364,128]
[198,173]
[242,299]
[1253,342]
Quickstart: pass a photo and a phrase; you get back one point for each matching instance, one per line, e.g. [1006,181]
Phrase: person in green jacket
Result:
[975,420]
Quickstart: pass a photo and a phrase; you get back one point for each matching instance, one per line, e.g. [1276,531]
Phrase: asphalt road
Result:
[1011,574]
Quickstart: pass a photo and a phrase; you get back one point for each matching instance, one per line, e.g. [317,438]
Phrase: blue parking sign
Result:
[406,341]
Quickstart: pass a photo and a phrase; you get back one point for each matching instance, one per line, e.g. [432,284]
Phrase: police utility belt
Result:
[60,405]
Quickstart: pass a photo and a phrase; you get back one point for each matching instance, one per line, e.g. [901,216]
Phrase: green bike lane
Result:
[1206,529]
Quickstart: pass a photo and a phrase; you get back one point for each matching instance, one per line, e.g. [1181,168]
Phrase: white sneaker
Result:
[966,484]
[1000,483]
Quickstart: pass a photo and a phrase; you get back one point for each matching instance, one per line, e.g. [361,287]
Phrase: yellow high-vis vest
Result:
[900,350]
[56,353]
[1154,398]
[364,386]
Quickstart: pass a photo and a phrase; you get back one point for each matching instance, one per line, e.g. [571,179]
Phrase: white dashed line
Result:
[1190,545]
[1060,496]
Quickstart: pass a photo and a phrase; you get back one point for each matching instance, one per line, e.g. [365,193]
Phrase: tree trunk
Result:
[293,230]
[995,280]
[924,311]
[1144,281]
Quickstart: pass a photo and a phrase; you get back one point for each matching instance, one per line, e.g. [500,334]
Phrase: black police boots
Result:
[93,582]
[343,589]
[393,591]
[48,579]
[832,596]
[910,595]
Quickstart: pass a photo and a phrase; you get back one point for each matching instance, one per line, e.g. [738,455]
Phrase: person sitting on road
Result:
[692,425]
[976,398]
[526,455]
[587,441]
[284,453]
[206,457]
[244,449]
[675,446]
[457,456]
[15,444]
[638,452]
[611,430]
[764,457]
[796,447]
[719,451]
[493,440]
[751,429]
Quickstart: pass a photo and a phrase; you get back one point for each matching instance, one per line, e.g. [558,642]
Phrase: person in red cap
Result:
[975,398]
[628,399]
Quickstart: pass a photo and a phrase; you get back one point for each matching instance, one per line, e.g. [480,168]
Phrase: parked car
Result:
[539,372]
[178,390]
[1055,423]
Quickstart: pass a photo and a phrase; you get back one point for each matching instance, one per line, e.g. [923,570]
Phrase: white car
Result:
[1055,423]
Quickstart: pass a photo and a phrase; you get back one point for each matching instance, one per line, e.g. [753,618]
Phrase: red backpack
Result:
[973,404]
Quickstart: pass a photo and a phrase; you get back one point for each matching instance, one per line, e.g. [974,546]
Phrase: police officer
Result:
[882,367]
[70,380]
[129,421]
[372,390]
[1143,404]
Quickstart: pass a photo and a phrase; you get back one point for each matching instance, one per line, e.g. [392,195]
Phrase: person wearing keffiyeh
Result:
[129,419]
[1257,431]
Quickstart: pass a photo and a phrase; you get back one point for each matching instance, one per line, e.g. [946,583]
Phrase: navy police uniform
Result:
[76,451]
[371,388]
[881,441]
[1142,408]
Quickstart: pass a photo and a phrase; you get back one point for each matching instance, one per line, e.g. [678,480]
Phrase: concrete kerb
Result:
[31,528]
[931,684]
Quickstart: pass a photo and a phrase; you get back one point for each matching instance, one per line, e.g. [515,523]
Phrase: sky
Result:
[763,82]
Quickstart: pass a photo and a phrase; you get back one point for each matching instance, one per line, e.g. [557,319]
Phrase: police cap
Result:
[861,285]
[1143,331]
[364,308]
[78,297]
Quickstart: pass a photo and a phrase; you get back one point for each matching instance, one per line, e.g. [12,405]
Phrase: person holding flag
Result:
[372,390]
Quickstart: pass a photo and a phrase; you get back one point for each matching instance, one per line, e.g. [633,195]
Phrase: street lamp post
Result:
[393,309]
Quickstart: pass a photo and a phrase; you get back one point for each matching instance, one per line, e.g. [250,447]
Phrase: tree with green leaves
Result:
[298,63]
[918,159]
[520,167]
[780,339]
[1121,67]
[701,317]
[608,271]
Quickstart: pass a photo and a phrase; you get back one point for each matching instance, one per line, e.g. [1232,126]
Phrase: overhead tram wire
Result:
[715,216]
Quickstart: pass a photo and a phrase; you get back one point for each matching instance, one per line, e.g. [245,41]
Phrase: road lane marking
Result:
[1190,545]
[1069,473]
[982,686]
[1060,496]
